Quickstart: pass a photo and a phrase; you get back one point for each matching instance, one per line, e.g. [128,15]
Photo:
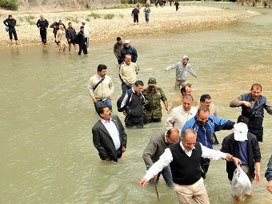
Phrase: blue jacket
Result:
[268,173]
[204,133]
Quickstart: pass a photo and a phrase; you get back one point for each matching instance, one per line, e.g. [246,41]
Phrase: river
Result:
[47,155]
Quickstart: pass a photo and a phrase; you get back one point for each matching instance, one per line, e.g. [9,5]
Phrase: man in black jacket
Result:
[42,24]
[132,105]
[10,22]
[243,145]
[82,41]
[71,36]
[109,136]
[128,49]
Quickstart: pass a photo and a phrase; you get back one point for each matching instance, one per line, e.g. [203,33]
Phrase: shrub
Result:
[109,16]
[9,4]
[94,15]
[30,19]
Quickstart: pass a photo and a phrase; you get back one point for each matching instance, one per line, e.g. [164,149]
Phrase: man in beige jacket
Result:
[101,88]
[128,73]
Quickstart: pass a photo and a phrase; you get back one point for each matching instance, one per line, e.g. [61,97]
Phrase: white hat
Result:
[83,21]
[184,57]
[57,21]
[240,132]
[127,41]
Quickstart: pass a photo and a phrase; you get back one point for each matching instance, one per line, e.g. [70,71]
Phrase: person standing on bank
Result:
[81,42]
[184,160]
[147,11]
[243,145]
[109,136]
[176,5]
[101,88]
[182,69]
[135,14]
[10,22]
[132,105]
[56,26]
[205,125]
[253,105]
[156,147]
[42,24]
[154,95]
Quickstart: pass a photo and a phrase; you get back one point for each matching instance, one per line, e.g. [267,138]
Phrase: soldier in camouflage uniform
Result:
[153,96]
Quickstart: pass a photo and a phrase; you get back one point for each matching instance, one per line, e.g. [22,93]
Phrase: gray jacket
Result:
[154,149]
[181,71]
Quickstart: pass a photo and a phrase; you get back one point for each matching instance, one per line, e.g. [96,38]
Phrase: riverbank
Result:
[107,24]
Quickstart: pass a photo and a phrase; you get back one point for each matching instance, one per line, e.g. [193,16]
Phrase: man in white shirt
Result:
[109,136]
[101,87]
[184,160]
[179,115]
[87,32]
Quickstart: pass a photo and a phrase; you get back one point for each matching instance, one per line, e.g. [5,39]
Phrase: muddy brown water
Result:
[47,155]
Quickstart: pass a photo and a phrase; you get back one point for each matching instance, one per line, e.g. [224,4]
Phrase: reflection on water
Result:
[47,155]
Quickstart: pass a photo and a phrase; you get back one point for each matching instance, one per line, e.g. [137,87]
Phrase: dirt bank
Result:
[107,24]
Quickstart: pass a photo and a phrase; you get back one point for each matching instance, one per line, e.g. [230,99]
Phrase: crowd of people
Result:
[182,152]
[65,37]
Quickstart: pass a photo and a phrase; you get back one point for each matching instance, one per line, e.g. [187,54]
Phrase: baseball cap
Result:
[127,41]
[152,81]
[240,132]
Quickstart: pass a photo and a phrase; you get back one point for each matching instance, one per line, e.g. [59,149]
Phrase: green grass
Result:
[9,4]
[94,15]
[30,20]
[109,16]
[72,19]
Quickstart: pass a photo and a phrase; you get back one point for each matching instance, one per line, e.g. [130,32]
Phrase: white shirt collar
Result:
[189,153]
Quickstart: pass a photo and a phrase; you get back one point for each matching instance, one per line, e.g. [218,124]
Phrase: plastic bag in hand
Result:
[240,184]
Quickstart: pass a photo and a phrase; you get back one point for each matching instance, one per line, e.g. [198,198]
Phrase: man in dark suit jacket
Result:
[109,136]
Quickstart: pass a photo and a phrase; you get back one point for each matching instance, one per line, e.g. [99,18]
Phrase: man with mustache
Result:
[205,124]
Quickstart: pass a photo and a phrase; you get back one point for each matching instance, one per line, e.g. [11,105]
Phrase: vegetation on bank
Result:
[9,4]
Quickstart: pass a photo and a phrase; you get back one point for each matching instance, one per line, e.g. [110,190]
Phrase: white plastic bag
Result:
[240,184]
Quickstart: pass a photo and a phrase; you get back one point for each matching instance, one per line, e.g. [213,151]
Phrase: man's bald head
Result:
[188,138]
[172,136]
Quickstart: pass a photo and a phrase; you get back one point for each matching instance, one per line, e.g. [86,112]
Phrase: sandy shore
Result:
[162,20]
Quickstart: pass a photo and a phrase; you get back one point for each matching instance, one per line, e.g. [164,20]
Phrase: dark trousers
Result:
[43,34]
[12,31]
[131,121]
[257,132]
[136,19]
[82,47]
[204,164]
